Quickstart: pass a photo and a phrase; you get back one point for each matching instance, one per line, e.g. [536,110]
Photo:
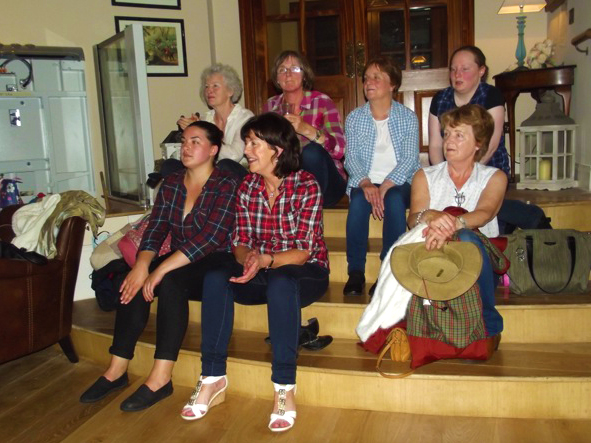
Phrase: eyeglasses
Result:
[293,69]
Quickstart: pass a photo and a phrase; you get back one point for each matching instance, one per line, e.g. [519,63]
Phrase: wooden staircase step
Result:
[337,256]
[520,380]
[335,223]
[568,209]
[527,319]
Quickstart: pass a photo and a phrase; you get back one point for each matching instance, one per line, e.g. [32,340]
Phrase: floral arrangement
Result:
[540,56]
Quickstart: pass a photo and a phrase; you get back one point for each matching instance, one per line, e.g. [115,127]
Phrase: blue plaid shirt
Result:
[205,229]
[361,134]
[444,101]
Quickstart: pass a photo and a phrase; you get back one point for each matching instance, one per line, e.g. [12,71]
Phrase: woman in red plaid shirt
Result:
[280,259]
[196,206]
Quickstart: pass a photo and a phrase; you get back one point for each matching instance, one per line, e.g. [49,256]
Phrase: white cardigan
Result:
[390,300]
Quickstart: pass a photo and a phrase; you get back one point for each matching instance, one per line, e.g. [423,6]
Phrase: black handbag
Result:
[10,251]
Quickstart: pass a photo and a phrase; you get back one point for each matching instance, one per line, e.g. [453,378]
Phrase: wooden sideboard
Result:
[534,81]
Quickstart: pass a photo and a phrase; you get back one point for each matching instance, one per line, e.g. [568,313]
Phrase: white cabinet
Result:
[48,145]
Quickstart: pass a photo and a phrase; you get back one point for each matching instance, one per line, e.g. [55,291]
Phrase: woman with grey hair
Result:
[220,90]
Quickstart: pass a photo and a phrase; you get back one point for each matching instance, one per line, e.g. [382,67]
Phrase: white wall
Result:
[560,31]
[84,23]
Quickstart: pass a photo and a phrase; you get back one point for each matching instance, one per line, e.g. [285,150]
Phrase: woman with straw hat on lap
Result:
[464,182]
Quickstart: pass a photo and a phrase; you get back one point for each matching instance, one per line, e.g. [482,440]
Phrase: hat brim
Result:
[407,274]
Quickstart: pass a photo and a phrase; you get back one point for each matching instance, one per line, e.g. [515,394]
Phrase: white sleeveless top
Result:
[443,192]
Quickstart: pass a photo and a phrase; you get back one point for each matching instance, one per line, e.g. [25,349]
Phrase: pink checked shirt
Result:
[318,110]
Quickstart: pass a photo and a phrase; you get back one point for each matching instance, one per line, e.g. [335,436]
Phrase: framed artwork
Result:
[164,44]
[161,4]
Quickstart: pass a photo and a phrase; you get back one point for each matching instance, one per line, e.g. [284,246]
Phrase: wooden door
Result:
[322,30]
[340,36]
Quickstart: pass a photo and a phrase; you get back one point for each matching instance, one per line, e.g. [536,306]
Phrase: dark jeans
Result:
[487,282]
[174,292]
[232,167]
[317,161]
[517,214]
[396,202]
[285,290]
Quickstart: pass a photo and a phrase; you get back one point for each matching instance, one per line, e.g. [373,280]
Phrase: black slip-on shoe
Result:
[372,289]
[103,387]
[144,397]
[355,284]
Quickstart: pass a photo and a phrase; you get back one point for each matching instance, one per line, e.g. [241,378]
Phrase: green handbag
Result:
[549,261]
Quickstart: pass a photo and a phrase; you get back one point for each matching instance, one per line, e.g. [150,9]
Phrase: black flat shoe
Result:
[320,342]
[103,387]
[144,397]
[355,284]
[372,289]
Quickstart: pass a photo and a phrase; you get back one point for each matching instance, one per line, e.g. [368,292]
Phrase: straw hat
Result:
[447,272]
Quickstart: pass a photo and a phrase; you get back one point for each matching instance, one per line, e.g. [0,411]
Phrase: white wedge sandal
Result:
[282,414]
[199,410]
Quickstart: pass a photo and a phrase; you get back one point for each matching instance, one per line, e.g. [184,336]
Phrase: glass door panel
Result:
[428,37]
[323,36]
[125,115]
[390,39]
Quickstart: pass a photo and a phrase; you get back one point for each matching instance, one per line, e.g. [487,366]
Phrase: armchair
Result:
[36,301]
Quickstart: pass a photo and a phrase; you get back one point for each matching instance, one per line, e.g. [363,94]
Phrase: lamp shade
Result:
[521,6]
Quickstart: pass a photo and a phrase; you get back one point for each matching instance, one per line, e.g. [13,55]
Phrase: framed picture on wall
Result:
[161,4]
[164,44]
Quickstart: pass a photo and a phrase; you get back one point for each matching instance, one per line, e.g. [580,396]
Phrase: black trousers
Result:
[174,292]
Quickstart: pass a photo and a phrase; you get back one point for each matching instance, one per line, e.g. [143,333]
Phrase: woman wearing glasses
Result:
[316,120]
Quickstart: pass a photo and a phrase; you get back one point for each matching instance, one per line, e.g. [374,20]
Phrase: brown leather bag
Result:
[397,343]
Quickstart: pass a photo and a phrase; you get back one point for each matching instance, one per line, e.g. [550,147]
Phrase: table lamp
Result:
[520,7]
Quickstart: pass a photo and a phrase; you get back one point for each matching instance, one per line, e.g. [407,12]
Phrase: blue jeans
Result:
[396,202]
[487,283]
[317,161]
[285,290]
[517,214]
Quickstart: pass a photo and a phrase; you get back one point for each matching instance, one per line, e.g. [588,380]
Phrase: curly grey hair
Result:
[230,77]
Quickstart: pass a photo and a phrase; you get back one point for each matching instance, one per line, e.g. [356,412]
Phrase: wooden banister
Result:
[578,39]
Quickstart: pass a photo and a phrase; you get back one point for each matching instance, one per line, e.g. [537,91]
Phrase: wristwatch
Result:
[462,221]
[318,135]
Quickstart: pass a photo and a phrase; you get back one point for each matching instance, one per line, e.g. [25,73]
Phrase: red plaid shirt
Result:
[205,229]
[294,222]
[318,110]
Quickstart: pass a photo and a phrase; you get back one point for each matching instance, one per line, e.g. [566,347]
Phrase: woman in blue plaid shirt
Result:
[381,158]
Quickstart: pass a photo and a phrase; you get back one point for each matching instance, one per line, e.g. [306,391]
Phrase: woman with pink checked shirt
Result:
[279,259]
[316,121]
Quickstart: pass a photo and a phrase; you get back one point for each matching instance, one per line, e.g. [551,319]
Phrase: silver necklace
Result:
[460,198]
[272,193]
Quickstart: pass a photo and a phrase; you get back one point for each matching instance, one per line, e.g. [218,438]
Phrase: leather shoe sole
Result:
[144,397]
[103,387]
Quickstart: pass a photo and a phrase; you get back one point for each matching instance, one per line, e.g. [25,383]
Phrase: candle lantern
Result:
[547,148]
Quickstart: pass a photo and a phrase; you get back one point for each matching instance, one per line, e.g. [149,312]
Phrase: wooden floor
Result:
[39,403]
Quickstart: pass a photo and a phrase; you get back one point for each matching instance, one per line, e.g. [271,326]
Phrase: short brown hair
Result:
[389,66]
[308,73]
[478,118]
